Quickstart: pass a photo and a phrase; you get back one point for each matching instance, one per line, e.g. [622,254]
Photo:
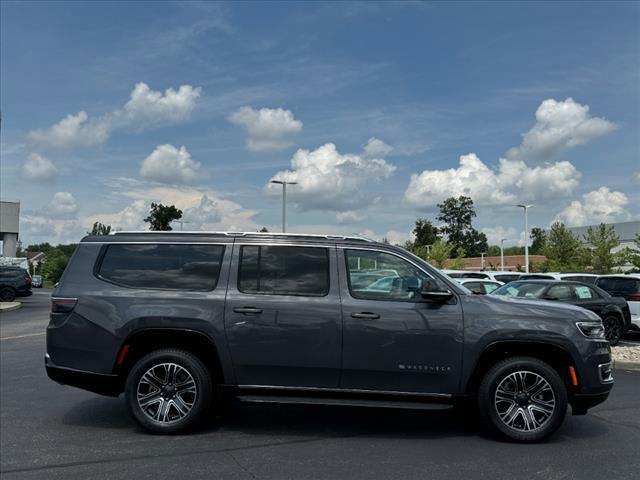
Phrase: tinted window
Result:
[521,289]
[475,275]
[539,277]
[619,286]
[563,293]
[283,270]
[507,277]
[582,292]
[174,267]
[402,282]
[580,278]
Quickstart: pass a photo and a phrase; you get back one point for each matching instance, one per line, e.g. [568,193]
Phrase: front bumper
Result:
[104,384]
[581,402]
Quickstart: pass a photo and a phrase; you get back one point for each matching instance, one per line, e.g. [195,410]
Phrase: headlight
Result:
[591,329]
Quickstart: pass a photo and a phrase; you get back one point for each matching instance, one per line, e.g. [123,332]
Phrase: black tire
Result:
[612,329]
[172,420]
[530,423]
[7,294]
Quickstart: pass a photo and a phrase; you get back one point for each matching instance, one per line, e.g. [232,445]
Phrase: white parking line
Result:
[24,336]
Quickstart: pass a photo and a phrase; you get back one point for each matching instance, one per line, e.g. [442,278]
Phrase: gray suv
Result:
[181,321]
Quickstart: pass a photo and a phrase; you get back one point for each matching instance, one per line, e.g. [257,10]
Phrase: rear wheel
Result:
[612,329]
[169,391]
[523,399]
[7,294]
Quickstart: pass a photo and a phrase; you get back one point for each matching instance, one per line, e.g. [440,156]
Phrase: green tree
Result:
[602,239]
[425,233]
[161,216]
[55,265]
[457,214]
[440,252]
[263,230]
[563,250]
[538,241]
[100,229]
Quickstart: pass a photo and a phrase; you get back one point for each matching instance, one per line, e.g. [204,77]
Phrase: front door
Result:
[393,340]
[282,315]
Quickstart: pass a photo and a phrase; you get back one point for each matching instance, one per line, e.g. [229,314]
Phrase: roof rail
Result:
[245,234]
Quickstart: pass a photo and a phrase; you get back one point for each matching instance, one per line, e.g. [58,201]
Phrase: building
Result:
[627,232]
[36,259]
[512,263]
[9,227]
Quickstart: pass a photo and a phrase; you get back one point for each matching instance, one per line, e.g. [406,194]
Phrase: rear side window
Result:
[172,267]
[284,270]
[507,278]
[619,286]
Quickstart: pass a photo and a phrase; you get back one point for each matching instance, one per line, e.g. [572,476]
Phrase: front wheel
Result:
[612,329]
[523,399]
[169,391]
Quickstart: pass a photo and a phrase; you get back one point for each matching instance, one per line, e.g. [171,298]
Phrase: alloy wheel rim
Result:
[166,393]
[612,329]
[524,401]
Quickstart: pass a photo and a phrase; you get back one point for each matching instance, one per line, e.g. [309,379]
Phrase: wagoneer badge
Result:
[425,368]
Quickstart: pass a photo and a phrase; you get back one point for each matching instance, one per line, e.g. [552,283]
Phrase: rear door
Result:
[282,315]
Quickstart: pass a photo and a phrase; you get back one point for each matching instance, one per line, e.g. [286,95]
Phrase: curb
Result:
[635,366]
[9,306]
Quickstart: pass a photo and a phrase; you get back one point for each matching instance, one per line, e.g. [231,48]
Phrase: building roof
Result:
[35,256]
[627,231]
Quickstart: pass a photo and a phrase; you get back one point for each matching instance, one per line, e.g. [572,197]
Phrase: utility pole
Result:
[502,254]
[482,254]
[284,201]
[526,235]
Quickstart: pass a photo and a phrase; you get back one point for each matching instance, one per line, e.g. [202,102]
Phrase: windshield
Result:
[521,289]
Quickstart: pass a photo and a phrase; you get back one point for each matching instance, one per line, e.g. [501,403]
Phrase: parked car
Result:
[36,281]
[627,286]
[614,311]
[14,282]
[178,321]
[479,286]
[503,277]
[576,277]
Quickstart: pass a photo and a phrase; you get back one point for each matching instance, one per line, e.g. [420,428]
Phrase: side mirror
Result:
[432,292]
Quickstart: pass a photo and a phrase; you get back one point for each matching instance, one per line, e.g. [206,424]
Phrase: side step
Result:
[343,402]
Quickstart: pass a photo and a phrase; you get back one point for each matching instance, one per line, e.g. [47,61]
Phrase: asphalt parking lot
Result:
[50,431]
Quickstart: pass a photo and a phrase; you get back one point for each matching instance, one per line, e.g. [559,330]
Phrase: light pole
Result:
[502,254]
[482,254]
[181,222]
[284,201]
[526,235]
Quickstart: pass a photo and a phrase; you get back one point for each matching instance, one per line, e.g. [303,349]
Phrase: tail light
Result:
[63,305]
[27,279]
[633,297]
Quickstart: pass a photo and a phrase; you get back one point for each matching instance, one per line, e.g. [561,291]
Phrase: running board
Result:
[343,402]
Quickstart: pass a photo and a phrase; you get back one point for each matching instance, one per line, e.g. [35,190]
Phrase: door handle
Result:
[246,310]
[366,315]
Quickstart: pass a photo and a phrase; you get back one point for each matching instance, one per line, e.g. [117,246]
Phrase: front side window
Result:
[563,293]
[162,266]
[284,270]
[382,276]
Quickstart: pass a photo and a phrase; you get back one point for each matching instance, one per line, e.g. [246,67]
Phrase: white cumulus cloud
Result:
[329,180]
[207,211]
[146,107]
[267,128]
[169,164]
[376,148]
[559,125]
[38,168]
[598,206]
[63,205]
[73,131]
[513,180]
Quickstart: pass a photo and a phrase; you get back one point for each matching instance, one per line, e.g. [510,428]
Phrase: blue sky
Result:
[369,106]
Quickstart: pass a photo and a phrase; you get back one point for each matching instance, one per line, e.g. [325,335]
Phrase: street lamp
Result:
[526,235]
[482,254]
[181,222]
[284,201]
[502,254]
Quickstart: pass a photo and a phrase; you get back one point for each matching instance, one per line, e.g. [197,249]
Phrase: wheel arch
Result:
[146,340]
[555,355]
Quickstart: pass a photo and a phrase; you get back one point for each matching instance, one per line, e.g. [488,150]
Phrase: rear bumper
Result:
[101,383]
